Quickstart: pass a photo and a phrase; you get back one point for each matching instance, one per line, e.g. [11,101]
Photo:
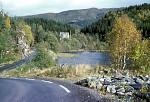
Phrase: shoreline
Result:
[82,50]
[66,55]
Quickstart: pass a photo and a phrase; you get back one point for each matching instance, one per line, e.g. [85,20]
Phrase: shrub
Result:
[43,59]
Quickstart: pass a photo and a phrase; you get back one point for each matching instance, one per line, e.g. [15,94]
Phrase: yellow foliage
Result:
[123,39]
[40,28]
[140,16]
[7,22]
[142,56]
[29,36]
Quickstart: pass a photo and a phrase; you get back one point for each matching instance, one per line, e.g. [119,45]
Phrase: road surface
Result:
[18,63]
[43,90]
[39,90]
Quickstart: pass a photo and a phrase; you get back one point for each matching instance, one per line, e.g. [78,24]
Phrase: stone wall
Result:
[120,85]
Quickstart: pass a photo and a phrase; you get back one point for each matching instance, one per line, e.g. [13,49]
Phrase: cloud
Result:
[29,7]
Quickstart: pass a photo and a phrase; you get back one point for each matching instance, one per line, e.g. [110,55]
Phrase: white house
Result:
[64,35]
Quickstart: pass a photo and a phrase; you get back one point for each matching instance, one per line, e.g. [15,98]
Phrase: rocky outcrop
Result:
[120,85]
[22,45]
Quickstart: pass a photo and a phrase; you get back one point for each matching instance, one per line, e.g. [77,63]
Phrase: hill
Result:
[48,25]
[80,18]
[140,14]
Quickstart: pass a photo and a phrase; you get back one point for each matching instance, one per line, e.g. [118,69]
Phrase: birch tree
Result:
[141,56]
[7,22]
[123,39]
[29,36]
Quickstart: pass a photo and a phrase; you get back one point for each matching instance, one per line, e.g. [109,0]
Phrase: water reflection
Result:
[91,58]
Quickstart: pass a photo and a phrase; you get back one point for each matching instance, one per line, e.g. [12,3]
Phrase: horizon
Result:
[26,7]
[72,10]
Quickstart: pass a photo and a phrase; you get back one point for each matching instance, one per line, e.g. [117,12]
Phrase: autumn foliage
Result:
[123,40]
[7,22]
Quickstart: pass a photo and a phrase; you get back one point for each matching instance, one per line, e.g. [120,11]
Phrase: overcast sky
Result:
[30,7]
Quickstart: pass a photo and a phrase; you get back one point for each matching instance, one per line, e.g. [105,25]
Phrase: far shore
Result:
[67,54]
[71,54]
[81,50]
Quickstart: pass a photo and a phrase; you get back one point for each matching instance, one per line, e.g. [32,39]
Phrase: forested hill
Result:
[80,18]
[49,25]
[140,14]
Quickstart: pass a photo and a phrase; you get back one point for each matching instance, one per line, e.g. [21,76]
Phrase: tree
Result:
[7,22]
[52,41]
[29,36]
[3,44]
[64,47]
[139,14]
[2,23]
[6,42]
[75,44]
[141,56]
[40,36]
[123,40]
[83,40]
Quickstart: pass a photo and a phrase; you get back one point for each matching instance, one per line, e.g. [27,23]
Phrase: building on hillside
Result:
[65,35]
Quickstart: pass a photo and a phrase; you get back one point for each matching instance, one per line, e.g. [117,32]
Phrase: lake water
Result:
[91,58]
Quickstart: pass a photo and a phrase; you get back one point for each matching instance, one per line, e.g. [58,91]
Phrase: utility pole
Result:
[70,34]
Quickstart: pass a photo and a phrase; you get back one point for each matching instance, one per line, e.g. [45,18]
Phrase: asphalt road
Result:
[38,90]
[18,63]
[44,90]
[30,90]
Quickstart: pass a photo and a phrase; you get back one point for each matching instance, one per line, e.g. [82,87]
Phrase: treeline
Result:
[82,41]
[38,31]
[10,32]
[139,14]
[49,25]
[50,39]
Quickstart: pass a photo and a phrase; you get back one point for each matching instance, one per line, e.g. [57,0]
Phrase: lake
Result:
[91,58]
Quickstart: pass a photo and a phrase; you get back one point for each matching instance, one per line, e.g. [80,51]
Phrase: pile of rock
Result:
[120,85]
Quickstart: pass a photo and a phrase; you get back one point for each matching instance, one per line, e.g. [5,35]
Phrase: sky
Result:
[31,7]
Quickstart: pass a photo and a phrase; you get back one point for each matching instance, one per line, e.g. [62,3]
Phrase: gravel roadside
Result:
[85,94]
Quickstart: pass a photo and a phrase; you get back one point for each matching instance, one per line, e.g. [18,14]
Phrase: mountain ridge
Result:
[80,17]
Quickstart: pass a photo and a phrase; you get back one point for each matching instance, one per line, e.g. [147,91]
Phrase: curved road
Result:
[31,90]
[43,90]
[39,90]
[18,63]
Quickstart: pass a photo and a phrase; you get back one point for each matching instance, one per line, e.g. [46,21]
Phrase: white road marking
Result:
[47,81]
[30,79]
[65,88]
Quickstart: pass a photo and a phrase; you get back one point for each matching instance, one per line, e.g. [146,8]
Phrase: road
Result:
[18,63]
[43,90]
[39,90]
[30,90]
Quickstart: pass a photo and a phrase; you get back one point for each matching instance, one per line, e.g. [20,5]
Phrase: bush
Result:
[52,42]
[64,47]
[43,59]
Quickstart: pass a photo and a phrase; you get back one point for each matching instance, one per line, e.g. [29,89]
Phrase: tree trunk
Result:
[118,63]
[124,61]
[125,54]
